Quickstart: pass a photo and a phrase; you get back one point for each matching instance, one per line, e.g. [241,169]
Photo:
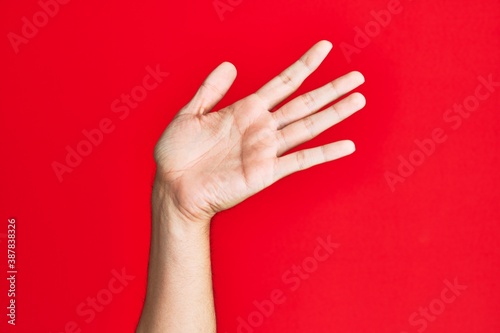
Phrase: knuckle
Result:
[287,79]
[282,140]
[309,125]
[306,62]
[308,101]
[337,113]
[301,160]
[323,153]
[335,90]
[209,86]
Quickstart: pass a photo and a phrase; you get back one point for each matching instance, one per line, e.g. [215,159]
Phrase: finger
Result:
[312,101]
[212,89]
[309,127]
[307,158]
[283,85]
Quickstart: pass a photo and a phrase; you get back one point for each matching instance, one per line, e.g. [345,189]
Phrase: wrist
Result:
[168,212]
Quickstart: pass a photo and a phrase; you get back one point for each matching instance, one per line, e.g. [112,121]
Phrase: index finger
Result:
[283,85]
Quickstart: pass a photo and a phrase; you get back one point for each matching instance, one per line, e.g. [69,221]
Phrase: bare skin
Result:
[210,161]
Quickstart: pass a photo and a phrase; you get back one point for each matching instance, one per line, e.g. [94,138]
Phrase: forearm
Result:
[179,295]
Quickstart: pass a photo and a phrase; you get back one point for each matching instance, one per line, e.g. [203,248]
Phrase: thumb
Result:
[212,89]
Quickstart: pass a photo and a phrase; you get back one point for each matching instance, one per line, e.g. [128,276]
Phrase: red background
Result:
[396,248]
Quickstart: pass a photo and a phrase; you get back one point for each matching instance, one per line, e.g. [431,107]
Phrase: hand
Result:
[211,161]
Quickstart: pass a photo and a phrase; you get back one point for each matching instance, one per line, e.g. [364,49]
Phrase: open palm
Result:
[211,161]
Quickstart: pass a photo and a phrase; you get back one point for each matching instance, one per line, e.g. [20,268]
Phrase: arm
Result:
[210,161]
[179,294]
